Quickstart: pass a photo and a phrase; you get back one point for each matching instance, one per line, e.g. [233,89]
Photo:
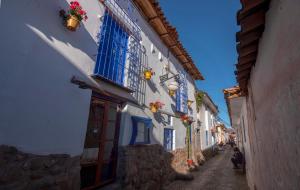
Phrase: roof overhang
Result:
[251,18]
[234,97]
[168,34]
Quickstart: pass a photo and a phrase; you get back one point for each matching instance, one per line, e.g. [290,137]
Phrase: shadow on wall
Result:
[38,58]
[150,166]
[152,86]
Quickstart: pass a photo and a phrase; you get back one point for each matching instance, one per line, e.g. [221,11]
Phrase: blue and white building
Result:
[206,123]
[83,92]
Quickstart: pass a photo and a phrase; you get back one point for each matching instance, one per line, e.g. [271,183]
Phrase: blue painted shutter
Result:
[112,50]
[168,139]
[135,120]
[181,95]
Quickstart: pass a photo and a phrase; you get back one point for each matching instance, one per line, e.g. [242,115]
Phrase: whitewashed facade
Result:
[206,122]
[47,77]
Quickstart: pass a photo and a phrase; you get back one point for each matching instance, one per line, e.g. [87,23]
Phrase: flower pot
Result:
[147,75]
[190,162]
[72,23]
[186,121]
[153,109]
[171,92]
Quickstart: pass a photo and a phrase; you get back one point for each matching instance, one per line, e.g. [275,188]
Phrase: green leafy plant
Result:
[199,99]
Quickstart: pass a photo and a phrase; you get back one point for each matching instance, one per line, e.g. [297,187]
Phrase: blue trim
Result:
[168,139]
[135,120]
[112,50]
[182,94]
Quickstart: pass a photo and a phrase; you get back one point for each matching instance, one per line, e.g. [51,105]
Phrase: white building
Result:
[83,92]
[206,122]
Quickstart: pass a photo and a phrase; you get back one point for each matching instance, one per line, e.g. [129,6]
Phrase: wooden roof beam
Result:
[247,50]
[250,7]
[253,21]
[247,58]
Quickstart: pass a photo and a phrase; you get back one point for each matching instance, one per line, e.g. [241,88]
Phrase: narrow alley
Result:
[149,95]
[216,174]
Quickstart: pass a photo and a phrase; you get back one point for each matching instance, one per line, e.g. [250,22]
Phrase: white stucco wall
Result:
[40,109]
[205,116]
[154,90]
[274,99]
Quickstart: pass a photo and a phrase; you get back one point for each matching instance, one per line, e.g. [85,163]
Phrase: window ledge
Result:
[97,77]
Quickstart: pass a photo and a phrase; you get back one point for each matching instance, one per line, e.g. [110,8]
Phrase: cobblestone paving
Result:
[215,174]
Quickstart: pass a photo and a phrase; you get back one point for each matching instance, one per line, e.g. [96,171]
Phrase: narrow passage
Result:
[215,174]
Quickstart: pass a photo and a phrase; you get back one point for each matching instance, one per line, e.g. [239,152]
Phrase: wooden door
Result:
[99,159]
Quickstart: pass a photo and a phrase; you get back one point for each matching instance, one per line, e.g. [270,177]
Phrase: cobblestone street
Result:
[215,174]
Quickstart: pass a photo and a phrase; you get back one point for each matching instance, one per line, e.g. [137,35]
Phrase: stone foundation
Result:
[151,167]
[209,153]
[19,171]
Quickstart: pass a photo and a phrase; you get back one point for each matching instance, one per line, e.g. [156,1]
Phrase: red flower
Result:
[75,3]
[73,7]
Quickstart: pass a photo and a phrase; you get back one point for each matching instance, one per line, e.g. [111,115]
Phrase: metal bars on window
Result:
[112,50]
[121,57]
[121,15]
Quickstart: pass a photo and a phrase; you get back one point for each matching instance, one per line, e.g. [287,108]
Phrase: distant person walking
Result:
[237,158]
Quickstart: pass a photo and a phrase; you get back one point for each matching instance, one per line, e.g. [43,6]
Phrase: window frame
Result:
[135,120]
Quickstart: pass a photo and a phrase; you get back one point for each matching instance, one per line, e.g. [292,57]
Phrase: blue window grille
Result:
[168,139]
[147,123]
[121,57]
[112,50]
[181,94]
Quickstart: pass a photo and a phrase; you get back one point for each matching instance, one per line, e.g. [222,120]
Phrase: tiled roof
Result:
[229,93]
[168,34]
[251,18]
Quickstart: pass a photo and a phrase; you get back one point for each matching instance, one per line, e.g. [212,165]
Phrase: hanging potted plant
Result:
[190,162]
[148,73]
[155,106]
[74,16]
[184,119]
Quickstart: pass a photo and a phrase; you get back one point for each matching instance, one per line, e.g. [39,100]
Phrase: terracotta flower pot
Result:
[171,92]
[72,23]
[153,109]
[190,162]
[147,75]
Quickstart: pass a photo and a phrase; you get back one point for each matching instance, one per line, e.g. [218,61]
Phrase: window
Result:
[112,50]
[181,94]
[169,139]
[140,130]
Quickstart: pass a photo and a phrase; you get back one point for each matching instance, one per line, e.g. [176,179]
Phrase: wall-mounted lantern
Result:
[172,87]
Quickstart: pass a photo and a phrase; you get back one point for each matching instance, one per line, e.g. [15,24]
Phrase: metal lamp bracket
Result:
[165,77]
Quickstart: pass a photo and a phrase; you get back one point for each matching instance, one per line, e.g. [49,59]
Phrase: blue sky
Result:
[207,30]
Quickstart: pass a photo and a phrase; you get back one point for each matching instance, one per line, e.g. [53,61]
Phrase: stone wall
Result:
[151,167]
[209,152]
[20,171]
